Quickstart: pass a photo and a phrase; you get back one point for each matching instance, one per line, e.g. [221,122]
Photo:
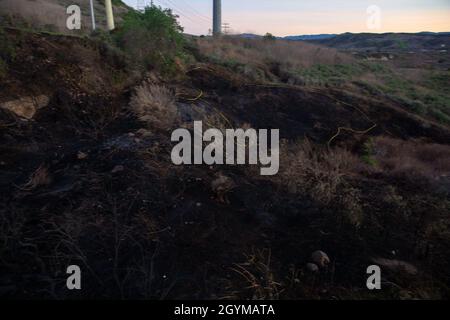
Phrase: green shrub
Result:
[3,69]
[7,47]
[369,153]
[152,38]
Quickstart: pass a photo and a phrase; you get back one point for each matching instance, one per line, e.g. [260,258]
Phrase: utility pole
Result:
[217,17]
[109,15]
[92,14]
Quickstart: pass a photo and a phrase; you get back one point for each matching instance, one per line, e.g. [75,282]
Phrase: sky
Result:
[296,17]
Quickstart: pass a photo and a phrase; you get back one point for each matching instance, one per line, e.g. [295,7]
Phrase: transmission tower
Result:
[226,28]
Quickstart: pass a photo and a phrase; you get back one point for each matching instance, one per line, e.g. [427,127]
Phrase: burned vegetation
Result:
[86,176]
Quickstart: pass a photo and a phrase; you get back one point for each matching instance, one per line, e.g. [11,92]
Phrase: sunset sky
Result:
[294,17]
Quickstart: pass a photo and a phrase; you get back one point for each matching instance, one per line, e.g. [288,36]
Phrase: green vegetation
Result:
[330,74]
[426,98]
[153,38]
[369,153]
[7,47]
[7,53]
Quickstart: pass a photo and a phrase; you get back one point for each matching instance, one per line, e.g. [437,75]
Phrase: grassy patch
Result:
[425,98]
[330,74]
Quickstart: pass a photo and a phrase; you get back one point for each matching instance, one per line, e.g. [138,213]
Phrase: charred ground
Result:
[84,181]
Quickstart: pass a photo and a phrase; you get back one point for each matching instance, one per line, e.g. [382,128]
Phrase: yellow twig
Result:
[197,97]
[350,130]
[193,99]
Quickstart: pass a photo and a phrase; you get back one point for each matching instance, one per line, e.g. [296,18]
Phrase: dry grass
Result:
[412,158]
[322,176]
[317,172]
[258,275]
[154,105]
[289,54]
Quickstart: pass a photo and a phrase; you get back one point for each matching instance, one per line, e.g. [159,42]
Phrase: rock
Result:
[396,265]
[221,185]
[312,267]
[81,155]
[117,169]
[40,177]
[320,258]
[143,133]
[26,107]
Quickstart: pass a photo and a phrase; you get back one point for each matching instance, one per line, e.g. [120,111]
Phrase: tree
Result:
[270,37]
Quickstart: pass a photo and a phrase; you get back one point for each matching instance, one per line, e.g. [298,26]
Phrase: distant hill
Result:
[293,38]
[310,37]
[423,41]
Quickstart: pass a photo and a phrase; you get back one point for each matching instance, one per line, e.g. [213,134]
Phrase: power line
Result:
[172,6]
[180,10]
[196,12]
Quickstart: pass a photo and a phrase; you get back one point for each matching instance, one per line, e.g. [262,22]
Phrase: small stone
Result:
[144,133]
[81,155]
[117,169]
[312,267]
[320,258]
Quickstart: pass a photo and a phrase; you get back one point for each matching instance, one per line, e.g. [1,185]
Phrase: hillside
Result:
[86,175]
[50,15]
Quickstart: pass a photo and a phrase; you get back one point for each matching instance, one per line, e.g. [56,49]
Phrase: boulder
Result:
[26,107]
[312,267]
[320,258]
